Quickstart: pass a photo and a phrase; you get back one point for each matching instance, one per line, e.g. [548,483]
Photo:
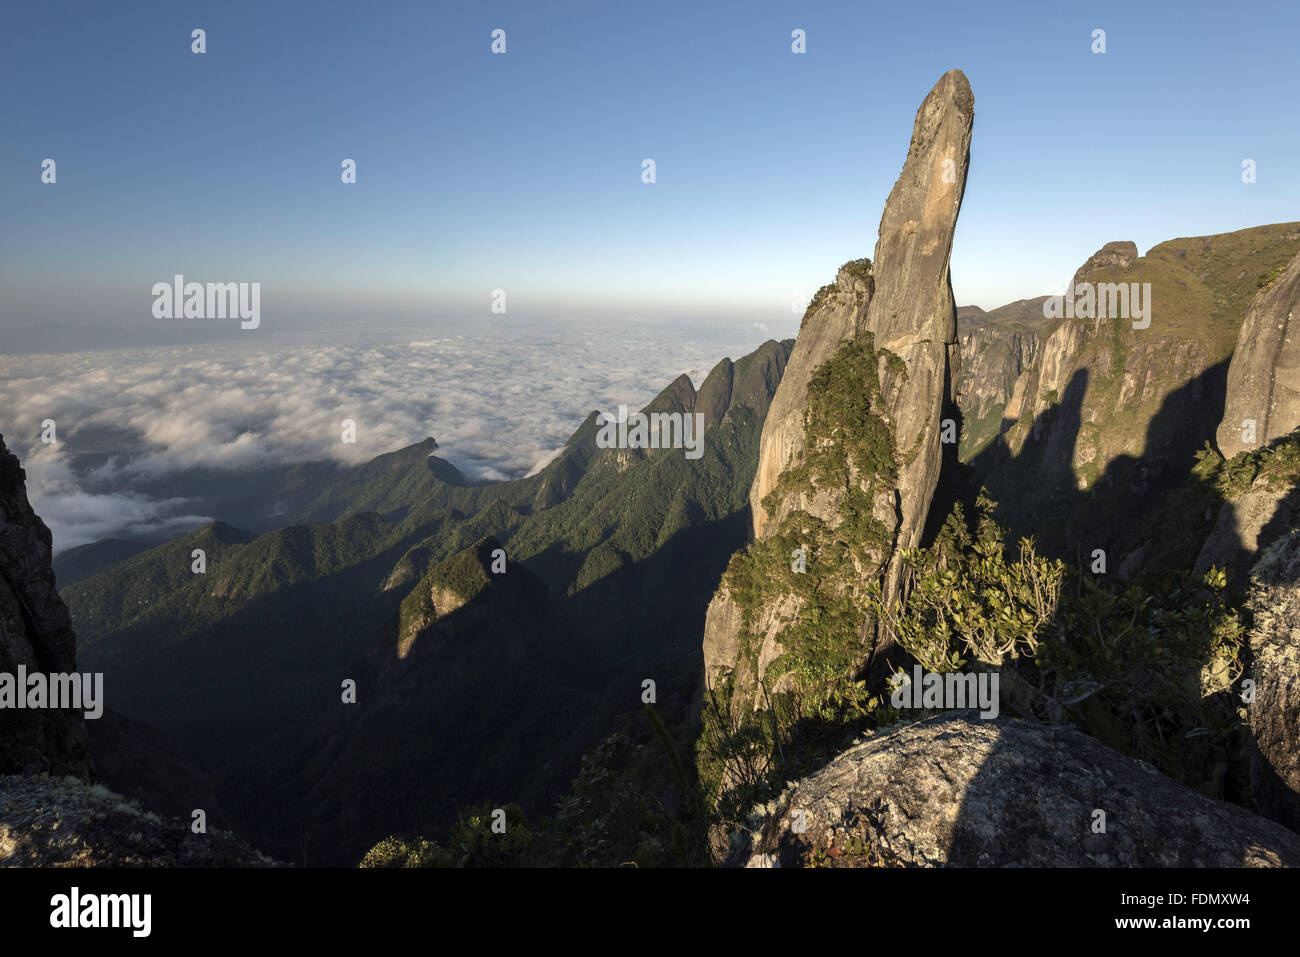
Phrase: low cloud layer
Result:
[497,405]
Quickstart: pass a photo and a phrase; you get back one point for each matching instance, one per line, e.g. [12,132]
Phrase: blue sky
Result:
[522,171]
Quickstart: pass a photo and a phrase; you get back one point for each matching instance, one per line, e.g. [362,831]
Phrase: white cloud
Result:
[76,516]
[499,405]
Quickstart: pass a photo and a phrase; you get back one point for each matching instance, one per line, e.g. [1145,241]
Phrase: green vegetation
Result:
[1144,392]
[969,600]
[1277,464]
[1270,277]
[473,843]
[286,615]
[811,696]
[607,818]
[977,433]
[1146,669]
[816,301]
[859,269]
[850,851]
[1178,527]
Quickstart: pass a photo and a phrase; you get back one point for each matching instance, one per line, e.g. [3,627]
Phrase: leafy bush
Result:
[473,843]
[816,301]
[1146,669]
[969,600]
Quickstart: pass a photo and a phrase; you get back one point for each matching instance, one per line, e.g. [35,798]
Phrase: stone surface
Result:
[1246,525]
[36,632]
[905,303]
[62,822]
[1264,375]
[1105,417]
[840,315]
[1275,713]
[1113,258]
[912,313]
[995,354]
[953,790]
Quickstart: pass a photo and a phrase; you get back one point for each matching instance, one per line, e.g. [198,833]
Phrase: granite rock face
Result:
[912,313]
[996,348]
[1113,258]
[902,304]
[1275,712]
[840,316]
[36,633]
[957,791]
[1264,375]
[1111,409]
[1246,525]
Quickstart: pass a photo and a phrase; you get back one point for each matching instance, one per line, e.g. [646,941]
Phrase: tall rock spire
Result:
[912,313]
[850,452]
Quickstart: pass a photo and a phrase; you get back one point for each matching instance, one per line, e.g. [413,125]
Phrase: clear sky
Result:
[522,171]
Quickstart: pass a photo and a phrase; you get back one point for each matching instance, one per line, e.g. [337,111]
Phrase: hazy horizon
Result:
[522,171]
[503,198]
[134,421]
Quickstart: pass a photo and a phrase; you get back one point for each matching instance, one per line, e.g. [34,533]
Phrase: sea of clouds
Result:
[499,406]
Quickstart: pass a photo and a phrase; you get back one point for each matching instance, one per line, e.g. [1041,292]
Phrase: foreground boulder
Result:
[52,822]
[1275,712]
[954,790]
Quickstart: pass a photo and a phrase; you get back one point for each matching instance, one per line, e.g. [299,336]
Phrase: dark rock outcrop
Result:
[1247,524]
[143,764]
[35,632]
[52,822]
[957,791]
[1275,712]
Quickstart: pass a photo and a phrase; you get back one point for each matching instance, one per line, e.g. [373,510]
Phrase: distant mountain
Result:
[1072,423]
[1101,552]
[626,545]
[480,687]
[81,562]
[54,807]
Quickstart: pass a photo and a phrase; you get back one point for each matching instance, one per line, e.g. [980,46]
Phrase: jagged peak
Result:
[1113,257]
[474,575]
